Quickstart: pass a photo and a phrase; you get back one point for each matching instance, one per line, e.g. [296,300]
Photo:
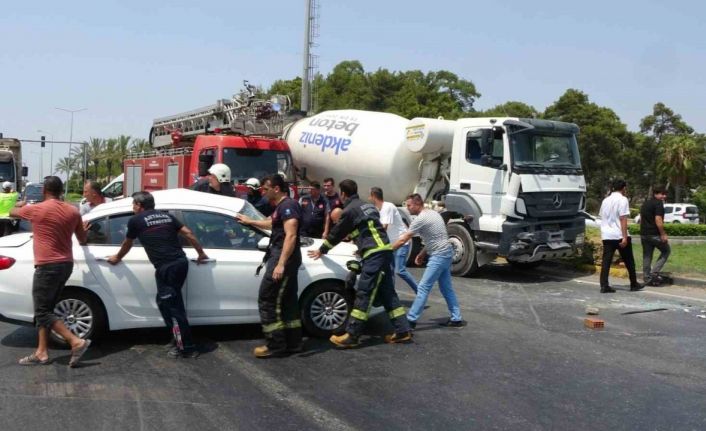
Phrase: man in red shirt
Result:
[54,223]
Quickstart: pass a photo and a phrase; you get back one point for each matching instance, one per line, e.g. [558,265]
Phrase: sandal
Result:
[33,360]
[77,353]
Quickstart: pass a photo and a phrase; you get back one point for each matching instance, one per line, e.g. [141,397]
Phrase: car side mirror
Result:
[263,243]
[25,171]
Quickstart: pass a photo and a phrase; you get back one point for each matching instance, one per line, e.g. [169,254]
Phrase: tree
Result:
[65,165]
[663,121]
[291,88]
[346,87]
[140,146]
[509,109]
[94,154]
[679,158]
[110,155]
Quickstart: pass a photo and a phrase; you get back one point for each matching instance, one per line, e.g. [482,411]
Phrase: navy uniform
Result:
[203,185]
[313,216]
[278,300]
[361,220]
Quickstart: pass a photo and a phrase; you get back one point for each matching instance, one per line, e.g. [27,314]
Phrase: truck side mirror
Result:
[205,162]
[486,141]
[25,171]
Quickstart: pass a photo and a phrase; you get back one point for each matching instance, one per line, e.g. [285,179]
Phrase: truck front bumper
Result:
[530,240]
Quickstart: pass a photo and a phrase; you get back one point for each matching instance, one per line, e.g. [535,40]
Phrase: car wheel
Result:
[325,308]
[464,255]
[82,314]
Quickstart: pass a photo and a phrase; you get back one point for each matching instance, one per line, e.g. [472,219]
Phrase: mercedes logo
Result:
[556,200]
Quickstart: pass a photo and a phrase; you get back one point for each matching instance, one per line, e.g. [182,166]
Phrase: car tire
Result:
[82,313]
[464,258]
[325,308]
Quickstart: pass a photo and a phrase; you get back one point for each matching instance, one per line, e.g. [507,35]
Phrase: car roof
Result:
[679,205]
[173,198]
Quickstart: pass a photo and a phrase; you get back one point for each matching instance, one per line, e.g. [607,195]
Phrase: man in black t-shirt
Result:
[333,201]
[158,233]
[653,235]
[277,299]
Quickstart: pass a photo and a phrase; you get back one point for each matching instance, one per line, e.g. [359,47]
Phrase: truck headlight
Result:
[520,207]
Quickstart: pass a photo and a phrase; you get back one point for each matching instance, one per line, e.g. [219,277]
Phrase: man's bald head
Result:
[336,215]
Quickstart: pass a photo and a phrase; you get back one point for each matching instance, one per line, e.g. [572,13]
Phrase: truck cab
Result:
[518,187]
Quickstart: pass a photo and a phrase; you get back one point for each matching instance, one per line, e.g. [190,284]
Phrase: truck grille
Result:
[551,204]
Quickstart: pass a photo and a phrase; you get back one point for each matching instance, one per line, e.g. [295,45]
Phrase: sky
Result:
[128,62]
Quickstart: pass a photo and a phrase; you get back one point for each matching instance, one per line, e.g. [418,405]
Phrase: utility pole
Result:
[51,150]
[71,140]
[311,31]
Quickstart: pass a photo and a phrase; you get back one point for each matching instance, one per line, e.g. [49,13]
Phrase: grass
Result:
[73,197]
[685,260]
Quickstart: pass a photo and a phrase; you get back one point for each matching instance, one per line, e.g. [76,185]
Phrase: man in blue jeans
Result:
[394,226]
[431,227]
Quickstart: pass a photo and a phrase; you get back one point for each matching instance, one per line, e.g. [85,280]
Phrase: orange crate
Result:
[593,323]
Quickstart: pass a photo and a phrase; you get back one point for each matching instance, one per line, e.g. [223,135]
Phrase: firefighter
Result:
[278,297]
[361,220]
[333,201]
[217,182]
[260,202]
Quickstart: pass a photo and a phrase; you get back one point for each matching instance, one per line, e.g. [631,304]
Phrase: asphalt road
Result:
[525,362]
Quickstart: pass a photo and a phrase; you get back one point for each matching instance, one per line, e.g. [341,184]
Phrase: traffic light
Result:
[43,139]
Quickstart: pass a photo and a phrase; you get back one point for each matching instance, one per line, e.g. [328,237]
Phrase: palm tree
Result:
[679,157]
[65,165]
[122,148]
[140,146]
[94,153]
[110,155]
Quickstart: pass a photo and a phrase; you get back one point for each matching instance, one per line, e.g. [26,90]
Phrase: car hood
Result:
[342,249]
[15,240]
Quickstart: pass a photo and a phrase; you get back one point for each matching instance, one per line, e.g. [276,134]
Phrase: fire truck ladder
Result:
[243,114]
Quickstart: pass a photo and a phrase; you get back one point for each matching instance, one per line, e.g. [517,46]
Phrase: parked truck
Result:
[511,187]
[242,132]
[11,168]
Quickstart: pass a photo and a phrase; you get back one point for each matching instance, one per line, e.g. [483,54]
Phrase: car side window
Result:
[117,228]
[668,210]
[474,152]
[219,231]
[98,232]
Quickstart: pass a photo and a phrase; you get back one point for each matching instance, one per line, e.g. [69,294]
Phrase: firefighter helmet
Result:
[7,185]
[253,183]
[221,171]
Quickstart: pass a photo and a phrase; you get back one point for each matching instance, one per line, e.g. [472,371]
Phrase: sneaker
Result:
[345,341]
[402,337]
[175,353]
[454,323]
[607,289]
[637,286]
[412,324]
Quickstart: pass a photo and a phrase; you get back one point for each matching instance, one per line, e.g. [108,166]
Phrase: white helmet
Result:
[7,185]
[221,171]
[253,183]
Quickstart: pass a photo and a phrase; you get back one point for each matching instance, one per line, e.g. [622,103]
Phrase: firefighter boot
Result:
[403,337]
[264,352]
[345,341]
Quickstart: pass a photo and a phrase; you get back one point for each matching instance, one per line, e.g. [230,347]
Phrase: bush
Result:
[634,212]
[674,229]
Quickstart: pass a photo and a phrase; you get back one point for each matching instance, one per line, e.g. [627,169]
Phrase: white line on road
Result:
[270,385]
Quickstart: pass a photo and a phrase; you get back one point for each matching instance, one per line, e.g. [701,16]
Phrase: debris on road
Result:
[593,323]
[592,311]
[644,311]
[701,316]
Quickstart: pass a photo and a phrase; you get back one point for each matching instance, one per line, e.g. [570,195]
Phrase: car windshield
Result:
[247,163]
[249,210]
[7,172]
[538,151]
[34,193]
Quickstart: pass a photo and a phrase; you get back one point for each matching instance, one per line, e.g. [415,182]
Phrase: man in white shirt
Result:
[614,214]
[392,222]
[93,197]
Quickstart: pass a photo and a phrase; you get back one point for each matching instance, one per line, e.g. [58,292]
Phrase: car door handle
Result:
[209,260]
[102,259]
[465,186]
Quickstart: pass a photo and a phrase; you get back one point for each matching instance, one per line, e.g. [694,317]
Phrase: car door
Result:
[225,289]
[131,283]
[480,174]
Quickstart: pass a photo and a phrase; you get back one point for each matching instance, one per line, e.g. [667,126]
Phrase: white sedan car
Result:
[100,297]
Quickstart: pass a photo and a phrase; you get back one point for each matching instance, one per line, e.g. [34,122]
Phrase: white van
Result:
[679,213]
[114,189]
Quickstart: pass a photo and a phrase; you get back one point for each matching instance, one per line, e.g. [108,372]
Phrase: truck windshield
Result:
[535,151]
[7,171]
[247,163]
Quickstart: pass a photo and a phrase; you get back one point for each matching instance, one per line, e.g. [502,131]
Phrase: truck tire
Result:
[525,265]
[82,313]
[325,308]
[464,258]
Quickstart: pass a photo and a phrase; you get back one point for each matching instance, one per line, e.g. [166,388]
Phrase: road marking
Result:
[529,302]
[691,298]
[270,385]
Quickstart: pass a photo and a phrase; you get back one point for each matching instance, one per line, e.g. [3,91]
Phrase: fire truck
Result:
[242,132]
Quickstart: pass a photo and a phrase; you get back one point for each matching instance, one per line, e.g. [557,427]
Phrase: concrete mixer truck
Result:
[511,187]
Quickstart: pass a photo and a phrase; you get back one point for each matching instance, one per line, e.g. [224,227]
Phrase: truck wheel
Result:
[464,258]
[82,313]
[325,308]
[525,265]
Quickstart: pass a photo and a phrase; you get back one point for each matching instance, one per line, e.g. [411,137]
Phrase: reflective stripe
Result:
[293,324]
[397,312]
[354,234]
[327,245]
[381,274]
[376,234]
[386,247]
[272,327]
[359,315]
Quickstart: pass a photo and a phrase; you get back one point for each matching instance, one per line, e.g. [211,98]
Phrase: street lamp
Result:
[51,152]
[71,140]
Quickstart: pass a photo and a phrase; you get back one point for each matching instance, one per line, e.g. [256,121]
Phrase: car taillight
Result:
[6,262]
